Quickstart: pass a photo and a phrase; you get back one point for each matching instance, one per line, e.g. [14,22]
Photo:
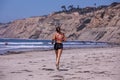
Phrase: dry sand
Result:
[76,64]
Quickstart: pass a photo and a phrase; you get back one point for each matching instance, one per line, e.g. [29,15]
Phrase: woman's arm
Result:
[64,38]
[53,39]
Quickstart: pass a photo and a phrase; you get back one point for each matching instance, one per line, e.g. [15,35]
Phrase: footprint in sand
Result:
[19,63]
[76,78]
[30,75]
[2,75]
[44,66]
[47,69]
[63,69]
[59,77]
[82,72]
[32,62]
[16,72]
[26,70]
[69,74]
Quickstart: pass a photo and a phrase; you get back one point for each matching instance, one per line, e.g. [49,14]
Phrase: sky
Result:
[11,10]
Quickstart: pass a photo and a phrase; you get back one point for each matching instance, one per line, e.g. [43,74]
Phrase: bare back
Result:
[59,37]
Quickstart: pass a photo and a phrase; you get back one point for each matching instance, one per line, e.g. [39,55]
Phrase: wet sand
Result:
[76,64]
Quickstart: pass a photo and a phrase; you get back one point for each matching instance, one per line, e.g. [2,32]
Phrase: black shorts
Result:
[58,46]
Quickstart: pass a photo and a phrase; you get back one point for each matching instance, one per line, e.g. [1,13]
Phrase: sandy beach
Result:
[76,64]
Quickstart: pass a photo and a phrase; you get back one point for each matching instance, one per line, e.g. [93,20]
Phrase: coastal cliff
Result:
[99,24]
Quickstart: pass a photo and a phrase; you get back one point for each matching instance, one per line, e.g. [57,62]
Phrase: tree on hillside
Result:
[70,7]
[94,9]
[64,8]
[78,7]
[114,4]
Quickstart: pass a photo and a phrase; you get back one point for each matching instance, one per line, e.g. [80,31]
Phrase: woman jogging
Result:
[58,38]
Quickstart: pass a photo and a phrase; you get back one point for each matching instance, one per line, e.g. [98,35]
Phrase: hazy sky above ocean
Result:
[17,9]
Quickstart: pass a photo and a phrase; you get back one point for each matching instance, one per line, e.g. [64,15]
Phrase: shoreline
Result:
[76,64]
[40,50]
[21,45]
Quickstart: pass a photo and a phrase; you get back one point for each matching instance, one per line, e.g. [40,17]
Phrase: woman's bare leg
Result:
[59,52]
[56,52]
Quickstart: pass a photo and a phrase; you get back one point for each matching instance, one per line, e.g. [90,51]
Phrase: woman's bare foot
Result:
[57,66]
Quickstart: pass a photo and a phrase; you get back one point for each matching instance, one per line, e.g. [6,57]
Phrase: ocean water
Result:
[7,44]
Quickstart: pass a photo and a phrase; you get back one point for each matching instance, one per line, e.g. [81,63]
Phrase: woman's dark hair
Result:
[58,29]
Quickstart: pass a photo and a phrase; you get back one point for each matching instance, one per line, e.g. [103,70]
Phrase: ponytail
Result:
[58,29]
